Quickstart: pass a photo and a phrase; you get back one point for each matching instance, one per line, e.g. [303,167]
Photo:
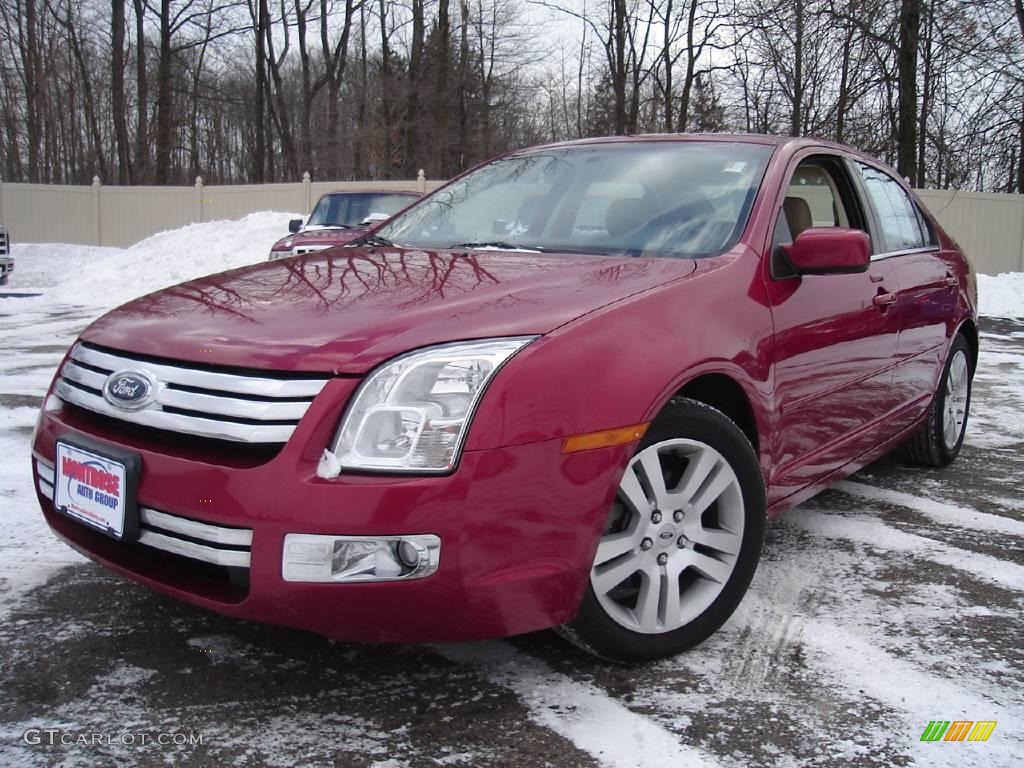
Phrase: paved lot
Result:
[893,600]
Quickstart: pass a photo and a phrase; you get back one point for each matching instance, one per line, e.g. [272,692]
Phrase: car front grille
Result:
[5,244]
[192,399]
[215,544]
[299,250]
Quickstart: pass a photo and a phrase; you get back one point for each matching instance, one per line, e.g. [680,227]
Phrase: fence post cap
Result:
[421,175]
[96,181]
[199,181]
[306,177]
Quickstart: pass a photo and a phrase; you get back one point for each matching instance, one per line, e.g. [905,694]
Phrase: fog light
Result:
[314,557]
[409,554]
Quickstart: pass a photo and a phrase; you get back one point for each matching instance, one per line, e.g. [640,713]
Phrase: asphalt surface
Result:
[891,601]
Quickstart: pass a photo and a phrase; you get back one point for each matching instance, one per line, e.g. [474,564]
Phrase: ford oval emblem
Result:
[129,390]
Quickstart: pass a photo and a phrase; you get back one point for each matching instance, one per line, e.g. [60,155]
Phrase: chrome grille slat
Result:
[237,537]
[209,542]
[229,557]
[215,412]
[176,422]
[259,410]
[195,377]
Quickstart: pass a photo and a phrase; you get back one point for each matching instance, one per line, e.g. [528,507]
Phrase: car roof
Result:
[792,142]
[403,192]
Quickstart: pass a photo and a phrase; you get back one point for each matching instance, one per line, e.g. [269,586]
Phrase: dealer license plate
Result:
[92,489]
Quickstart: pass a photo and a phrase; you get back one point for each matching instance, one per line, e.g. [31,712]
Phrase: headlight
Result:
[412,413]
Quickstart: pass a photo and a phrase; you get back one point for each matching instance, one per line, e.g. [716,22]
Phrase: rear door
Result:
[927,282]
[835,336]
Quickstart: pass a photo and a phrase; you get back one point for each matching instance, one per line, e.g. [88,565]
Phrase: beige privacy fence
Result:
[989,226]
[122,216]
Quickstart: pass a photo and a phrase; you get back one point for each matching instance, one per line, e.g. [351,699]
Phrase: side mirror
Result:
[374,218]
[294,225]
[830,250]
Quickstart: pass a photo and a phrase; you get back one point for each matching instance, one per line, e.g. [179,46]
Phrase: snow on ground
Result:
[1001,295]
[105,277]
[894,599]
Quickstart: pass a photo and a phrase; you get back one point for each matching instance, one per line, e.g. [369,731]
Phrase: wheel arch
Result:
[969,329]
[724,392]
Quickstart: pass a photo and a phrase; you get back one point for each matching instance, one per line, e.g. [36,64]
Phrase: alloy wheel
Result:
[957,392]
[672,539]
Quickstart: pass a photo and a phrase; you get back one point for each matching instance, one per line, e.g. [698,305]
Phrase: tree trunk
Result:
[906,62]
[666,55]
[618,73]
[412,87]
[385,99]
[926,88]
[796,117]
[359,145]
[142,107]
[463,86]
[30,65]
[164,118]
[306,115]
[441,92]
[117,106]
[260,107]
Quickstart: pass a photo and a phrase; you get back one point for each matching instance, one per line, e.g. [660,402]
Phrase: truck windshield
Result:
[686,199]
[351,210]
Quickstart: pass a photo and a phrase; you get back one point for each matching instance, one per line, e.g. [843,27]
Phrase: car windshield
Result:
[666,199]
[351,210]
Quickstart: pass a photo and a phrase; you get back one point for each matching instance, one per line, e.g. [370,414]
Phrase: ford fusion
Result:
[565,390]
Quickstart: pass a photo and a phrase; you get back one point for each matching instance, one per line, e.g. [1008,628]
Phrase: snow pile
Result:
[106,277]
[1002,295]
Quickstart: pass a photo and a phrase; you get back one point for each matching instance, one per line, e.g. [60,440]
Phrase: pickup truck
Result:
[338,218]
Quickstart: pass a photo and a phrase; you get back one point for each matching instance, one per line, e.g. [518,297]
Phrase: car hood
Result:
[345,310]
[332,236]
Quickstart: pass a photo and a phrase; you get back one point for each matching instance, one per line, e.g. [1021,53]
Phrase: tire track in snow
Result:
[860,665]
[579,711]
[939,510]
[875,533]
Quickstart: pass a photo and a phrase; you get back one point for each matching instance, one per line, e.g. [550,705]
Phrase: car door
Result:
[927,280]
[835,335]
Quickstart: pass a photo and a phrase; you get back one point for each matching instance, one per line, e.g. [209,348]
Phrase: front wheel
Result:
[681,542]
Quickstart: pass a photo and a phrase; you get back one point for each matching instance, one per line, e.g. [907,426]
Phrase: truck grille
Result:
[183,536]
[192,400]
[5,244]
[300,250]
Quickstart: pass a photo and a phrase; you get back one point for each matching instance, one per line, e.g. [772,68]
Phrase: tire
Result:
[938,442]
[683,569]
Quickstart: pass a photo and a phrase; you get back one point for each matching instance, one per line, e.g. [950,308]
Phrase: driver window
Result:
[813,199]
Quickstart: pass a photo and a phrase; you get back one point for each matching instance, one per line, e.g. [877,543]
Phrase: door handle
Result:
[884,299]
[876,277]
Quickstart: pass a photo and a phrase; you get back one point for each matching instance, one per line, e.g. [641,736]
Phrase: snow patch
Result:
[1001,295]
[596,723]
[106,277]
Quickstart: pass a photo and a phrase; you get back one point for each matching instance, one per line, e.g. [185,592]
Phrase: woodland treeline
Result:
[162,91]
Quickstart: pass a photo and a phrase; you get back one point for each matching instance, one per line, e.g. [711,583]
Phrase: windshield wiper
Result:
[498,244]
[372,240]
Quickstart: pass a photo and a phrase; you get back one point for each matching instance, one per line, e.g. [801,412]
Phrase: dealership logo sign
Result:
[130,390]
[958,730]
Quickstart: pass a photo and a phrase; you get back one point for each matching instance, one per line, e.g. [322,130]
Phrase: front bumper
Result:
[518,527]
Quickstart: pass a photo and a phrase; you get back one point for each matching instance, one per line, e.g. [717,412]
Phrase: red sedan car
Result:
[339,218]
[565,390]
